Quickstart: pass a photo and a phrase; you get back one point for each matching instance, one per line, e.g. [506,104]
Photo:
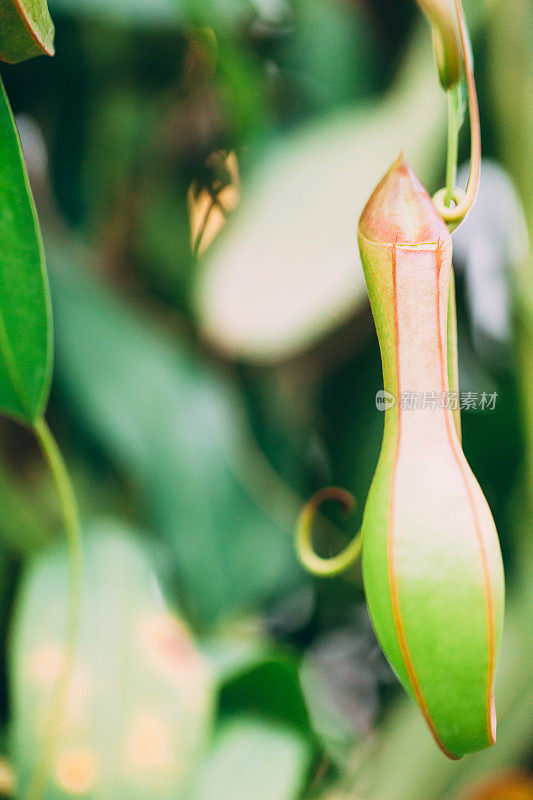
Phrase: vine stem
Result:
[453,215]
[71,521]
[454,98]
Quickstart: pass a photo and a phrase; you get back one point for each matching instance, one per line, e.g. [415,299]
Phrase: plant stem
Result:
[59,697]
[454,99]
[453,216]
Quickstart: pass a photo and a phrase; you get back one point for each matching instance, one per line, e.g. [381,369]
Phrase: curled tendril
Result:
[459,201]
[453,215]
[326,567]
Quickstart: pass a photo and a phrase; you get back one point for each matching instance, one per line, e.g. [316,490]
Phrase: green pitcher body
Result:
[431,559]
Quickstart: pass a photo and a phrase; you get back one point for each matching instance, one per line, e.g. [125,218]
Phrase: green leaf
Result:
[327,59]
[285,272]
[257,678]
[270,687]
[25,316]
[253,759]
[141,698]
[26,30]
[123,12]
[177,428]
[152,13]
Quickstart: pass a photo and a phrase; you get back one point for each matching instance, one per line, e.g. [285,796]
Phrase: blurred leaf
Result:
[150,13]
[119,129]
[25,340]
[326,59]
[23,526]
[8,783]
[177,428]
[253,759]
[490,243]
[510,80]
[123,12]
[340,675]
[26,30]
[287,272]
[256,677]
[509,786]
[164,235]
[269,688]
[140,701]
[6,569]
[241,73]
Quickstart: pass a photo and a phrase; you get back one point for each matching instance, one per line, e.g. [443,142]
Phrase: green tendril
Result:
[326,567]
[451,203]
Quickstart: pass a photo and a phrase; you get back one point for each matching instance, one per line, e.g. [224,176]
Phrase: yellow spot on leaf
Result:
[170,650]
[8,782]
[43,670]
[44,664]
[149,742]
[76,770]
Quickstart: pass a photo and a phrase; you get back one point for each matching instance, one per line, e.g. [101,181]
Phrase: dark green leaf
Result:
[149,13]
[122,12]
[271,688]
[26,30]
[176,427]
[25,319]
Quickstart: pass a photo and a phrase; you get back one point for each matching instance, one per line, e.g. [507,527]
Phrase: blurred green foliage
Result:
[133,723]
[199,399]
